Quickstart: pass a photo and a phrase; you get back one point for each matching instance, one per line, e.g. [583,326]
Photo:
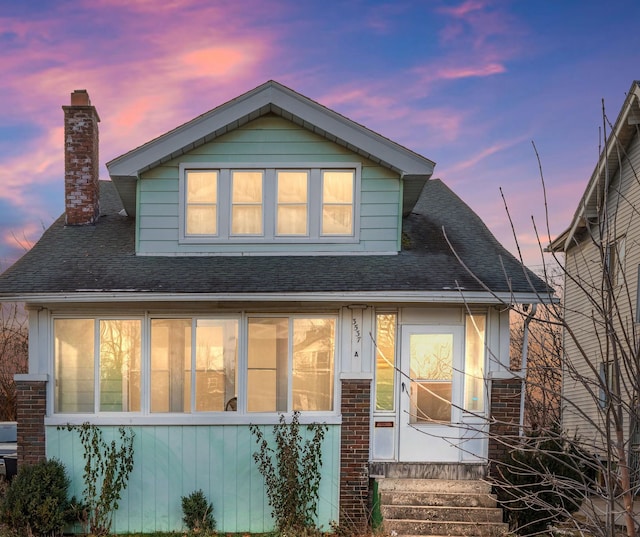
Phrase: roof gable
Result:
[275,98]
[624,129]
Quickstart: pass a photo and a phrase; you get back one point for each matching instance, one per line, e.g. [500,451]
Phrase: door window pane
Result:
[120,365]
[216,359]
[268,365]
[74,355]
[337,202]
[474,362]
[313,356]
[431,372]
[292,203]
[170,384]
[246,194]
[385,360]
[202,202]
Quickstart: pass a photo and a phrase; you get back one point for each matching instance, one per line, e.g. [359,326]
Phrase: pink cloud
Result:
[451,73]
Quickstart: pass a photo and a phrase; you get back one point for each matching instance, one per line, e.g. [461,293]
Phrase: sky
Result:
[478,86]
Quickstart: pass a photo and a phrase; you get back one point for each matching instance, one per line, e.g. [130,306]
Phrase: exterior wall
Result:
[173,461]
[504,429]
[268,140]
[584,288]
[354,453]
[31,403]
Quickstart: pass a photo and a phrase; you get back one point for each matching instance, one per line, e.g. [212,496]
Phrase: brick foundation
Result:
[354,453]
[504,429]
[31,402]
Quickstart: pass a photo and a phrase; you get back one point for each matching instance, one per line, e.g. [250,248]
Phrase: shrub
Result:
[36,501]
[198,513]
[542,482]
[291,472]
[106,474]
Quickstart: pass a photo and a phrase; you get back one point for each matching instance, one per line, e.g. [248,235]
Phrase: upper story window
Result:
[283,203]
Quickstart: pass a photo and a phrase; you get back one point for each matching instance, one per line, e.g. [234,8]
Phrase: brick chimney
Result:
[81,164]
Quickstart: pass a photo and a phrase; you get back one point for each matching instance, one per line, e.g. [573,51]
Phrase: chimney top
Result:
[80,97]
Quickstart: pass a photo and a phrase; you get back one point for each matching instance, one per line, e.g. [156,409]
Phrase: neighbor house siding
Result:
[584,264]
[268,140]
[173,461]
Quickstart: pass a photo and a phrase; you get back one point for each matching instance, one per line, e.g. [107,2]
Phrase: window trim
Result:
[145,417]
[270,203]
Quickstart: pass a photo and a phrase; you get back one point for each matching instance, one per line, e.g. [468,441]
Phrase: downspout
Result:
[523,363]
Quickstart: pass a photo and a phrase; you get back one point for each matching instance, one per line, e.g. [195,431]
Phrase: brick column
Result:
[504,429]
[32,403]
[354,453]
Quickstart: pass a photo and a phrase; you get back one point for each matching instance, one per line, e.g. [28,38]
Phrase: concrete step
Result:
[442,486]
[451,499]
[441,514]
[411,528]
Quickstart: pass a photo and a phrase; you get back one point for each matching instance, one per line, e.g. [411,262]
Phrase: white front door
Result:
[431,362]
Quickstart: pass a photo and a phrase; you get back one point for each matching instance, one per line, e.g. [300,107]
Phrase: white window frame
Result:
[146,417]
[270,203]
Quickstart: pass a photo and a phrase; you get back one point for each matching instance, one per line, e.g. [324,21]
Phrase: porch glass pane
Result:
[216,360]
[120,365]
[431,372]
[268,364]
[385,361]
[170,383]
[474,354]
[74,357]
[313,356]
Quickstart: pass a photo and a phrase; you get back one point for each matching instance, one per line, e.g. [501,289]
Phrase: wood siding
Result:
[173,461]
[268,140]
[584,263]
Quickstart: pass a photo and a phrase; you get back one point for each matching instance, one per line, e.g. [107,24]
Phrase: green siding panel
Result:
[173,461]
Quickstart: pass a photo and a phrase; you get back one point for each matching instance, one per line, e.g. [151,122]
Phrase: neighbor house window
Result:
[201,202]
[115,346]
[292,210]
[246,202]
[337,202]
[474,389]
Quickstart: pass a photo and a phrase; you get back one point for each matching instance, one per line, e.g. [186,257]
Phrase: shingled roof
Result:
[99,261]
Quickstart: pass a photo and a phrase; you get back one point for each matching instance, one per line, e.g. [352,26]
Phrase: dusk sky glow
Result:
[468,84]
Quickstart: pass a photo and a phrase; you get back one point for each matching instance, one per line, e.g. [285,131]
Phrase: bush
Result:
[542,482]
[291,471]
[198,513]
[36,501]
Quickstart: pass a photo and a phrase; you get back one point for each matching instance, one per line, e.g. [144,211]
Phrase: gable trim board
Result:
[445,268]
[271,97]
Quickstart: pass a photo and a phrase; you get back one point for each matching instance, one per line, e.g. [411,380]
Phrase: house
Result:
[268,256]
[601,300]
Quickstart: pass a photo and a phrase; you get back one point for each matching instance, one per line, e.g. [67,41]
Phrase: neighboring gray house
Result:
[268,256]
[602,261]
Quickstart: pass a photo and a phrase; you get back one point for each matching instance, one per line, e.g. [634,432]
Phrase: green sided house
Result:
[267,257]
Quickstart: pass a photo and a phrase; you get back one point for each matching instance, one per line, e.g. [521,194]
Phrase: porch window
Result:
[277,345]
[474,389]
[385,361]
[115,346]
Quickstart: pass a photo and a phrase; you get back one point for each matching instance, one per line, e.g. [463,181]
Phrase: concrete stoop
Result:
[419,507]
